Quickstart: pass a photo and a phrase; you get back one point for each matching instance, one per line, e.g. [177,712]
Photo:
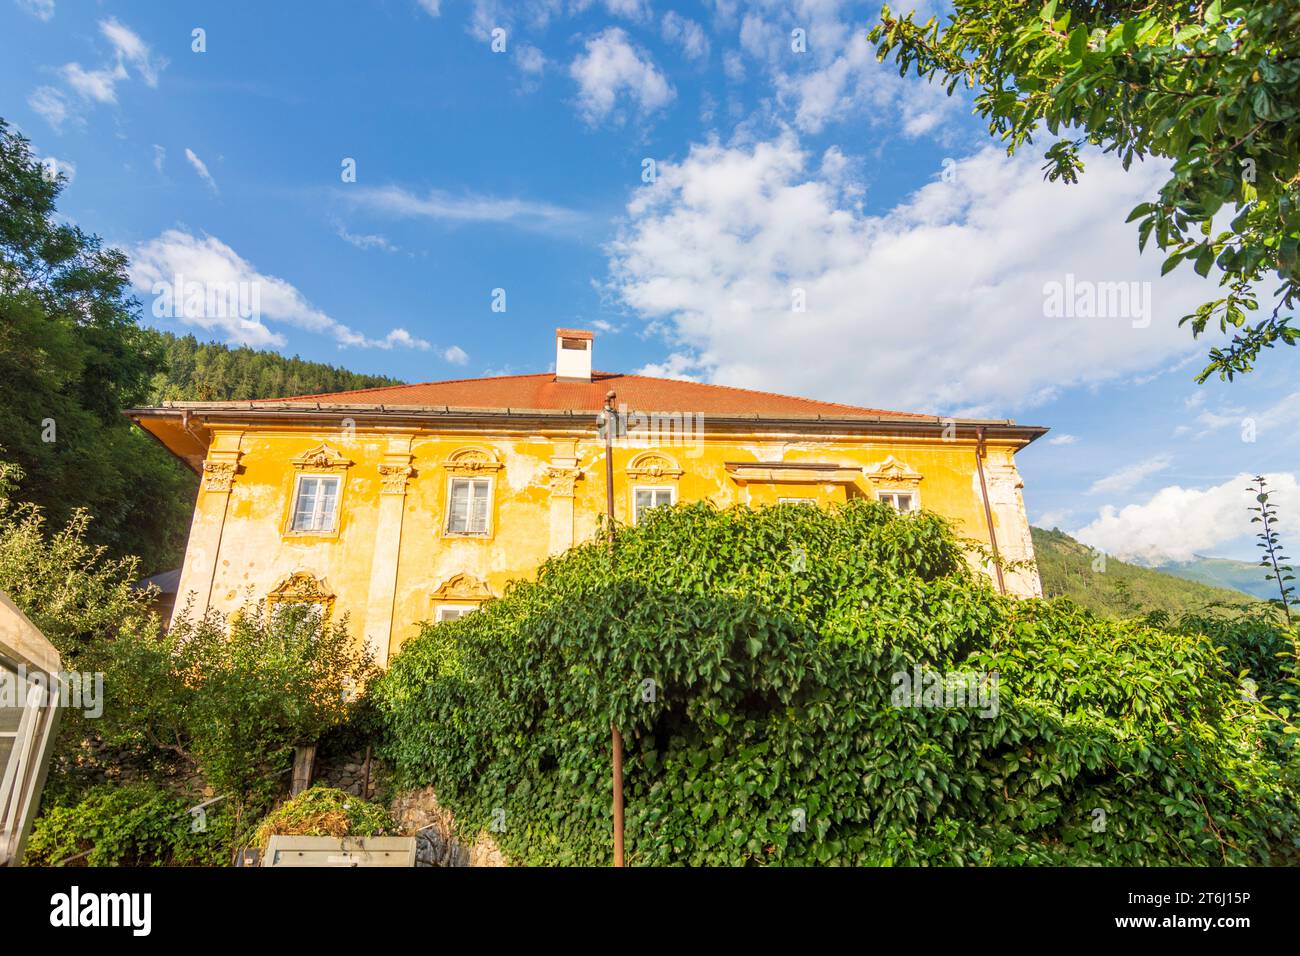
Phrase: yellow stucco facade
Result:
[390,562]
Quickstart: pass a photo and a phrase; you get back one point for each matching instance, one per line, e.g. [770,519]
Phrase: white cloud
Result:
[64,167]
[1130,476]
[530,60]
[133,50]
[159,157]
[935,305]
[50,104]
[470,207]
[628,9]
[432,7]
[364,241]
[177,259]
[455,355]
[97,85]
[609,68]
[1279,421]
[687,34]
[201,168]
[1177,523]
[1052,519]
[854,82]
[733,65]
[40,9]
[1063,439]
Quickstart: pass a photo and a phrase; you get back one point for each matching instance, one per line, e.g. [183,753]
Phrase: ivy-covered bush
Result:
[751,660]
[138,824]
[324,811]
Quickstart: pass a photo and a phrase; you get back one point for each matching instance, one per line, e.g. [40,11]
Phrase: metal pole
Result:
[609,465]
[988,512]
[616,738]
[618,795]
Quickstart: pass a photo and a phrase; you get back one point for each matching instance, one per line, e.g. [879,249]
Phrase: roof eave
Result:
[419,414]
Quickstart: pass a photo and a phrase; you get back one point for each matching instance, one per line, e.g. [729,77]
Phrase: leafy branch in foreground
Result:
[1273,559]
[1213,88]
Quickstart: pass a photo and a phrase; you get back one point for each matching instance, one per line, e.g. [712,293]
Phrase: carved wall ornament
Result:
[653,465]
[219,476]
[472,461]
[562,480]
[322,457]
[462,586]
[394,477]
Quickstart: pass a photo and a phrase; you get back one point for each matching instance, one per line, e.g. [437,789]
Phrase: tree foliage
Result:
[195,371]
[233,697]
[750,660]
[1213,88]
[72,590]
[72,356]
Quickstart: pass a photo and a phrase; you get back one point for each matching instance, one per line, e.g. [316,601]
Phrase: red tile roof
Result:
[636,392]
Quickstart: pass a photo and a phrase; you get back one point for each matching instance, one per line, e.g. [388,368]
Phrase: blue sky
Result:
[718,196]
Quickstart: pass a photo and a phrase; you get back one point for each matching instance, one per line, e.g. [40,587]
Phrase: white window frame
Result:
[491,502]
[293,504]
[463,609]
[672,497]
[891,498]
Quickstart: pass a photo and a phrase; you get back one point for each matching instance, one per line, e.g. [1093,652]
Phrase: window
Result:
[315,609]
[900,501]
[316,504]
[467,510]
[647,498]
[796,501]
[451,612]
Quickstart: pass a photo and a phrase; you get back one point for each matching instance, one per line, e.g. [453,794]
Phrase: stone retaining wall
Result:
[418,812]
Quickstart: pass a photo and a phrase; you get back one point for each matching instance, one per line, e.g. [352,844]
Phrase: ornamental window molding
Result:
[892,473]
[654,465]
[472,460]
[462,587]
[301,587]
[322,458]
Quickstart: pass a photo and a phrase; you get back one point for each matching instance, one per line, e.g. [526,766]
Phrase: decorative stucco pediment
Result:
[892,473]
[302,587]
[462,586]
[323,456]
[653,465]
[472,460]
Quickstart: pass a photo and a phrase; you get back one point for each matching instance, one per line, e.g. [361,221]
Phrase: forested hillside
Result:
[1121,590]
[210,372]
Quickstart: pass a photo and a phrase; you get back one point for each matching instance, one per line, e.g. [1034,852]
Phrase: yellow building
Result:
[417,502]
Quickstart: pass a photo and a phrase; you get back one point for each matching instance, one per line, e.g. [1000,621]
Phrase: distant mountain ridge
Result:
[1243,576]
[1122,589]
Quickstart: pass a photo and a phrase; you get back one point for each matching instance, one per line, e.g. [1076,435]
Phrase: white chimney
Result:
[573,355]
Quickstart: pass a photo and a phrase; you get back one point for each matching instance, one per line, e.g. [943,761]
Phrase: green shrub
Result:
[233,697]
[137,824]
[769,734]
[324,811]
